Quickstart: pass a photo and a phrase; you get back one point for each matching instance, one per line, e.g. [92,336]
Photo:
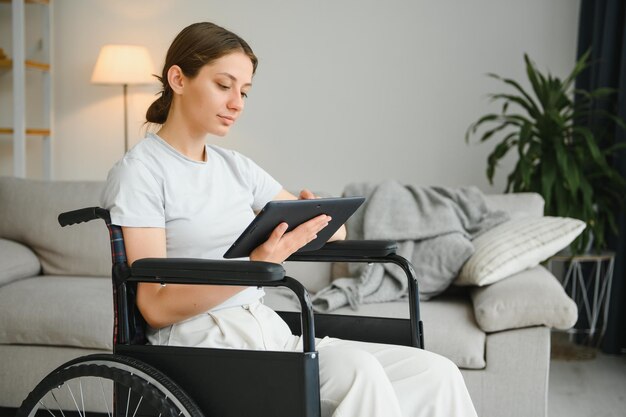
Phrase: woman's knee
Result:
[444,370]
[341,368]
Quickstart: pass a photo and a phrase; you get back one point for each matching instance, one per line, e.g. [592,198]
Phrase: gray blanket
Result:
[433,226]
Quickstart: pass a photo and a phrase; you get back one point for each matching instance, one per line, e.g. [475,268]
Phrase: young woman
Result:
[175,196]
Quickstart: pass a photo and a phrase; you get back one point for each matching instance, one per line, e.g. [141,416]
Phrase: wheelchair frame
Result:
[227,382]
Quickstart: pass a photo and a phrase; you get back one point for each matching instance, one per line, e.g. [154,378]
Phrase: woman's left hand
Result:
[340,234]
[306,194]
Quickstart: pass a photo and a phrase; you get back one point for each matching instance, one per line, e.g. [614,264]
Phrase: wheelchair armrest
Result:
[372,251]
[205,271]
[337,251]
[218,272]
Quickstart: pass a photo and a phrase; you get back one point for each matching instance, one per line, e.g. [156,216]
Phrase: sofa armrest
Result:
[16,262]
[517,205]
[529,298]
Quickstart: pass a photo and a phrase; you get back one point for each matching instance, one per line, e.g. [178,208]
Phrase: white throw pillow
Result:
[516,245]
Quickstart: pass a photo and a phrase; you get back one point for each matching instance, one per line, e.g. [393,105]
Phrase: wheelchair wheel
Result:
[112,385]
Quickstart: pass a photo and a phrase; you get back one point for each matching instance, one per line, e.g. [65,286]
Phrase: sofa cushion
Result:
[516,245]
[517,205]
[17,262]
[530,298]
[59,311]
[313,275]
[29,215]
[449,326]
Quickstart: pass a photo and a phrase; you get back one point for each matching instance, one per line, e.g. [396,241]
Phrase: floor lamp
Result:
[123,65]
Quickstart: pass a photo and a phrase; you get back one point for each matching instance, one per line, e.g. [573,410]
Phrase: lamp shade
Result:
[123,64]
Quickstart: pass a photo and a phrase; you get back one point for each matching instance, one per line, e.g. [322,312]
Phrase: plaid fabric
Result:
[118,253]
[118,256]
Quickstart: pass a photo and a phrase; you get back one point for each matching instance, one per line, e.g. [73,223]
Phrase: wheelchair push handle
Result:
[83,215]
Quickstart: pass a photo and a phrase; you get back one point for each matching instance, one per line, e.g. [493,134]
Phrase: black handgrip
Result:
[83,215]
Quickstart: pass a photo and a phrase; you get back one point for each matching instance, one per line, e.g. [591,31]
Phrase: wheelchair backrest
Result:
[129,325]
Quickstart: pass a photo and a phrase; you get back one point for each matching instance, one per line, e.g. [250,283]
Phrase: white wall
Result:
[345,90]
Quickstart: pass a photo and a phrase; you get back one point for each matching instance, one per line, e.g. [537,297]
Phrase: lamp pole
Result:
[125,86]
[123,65]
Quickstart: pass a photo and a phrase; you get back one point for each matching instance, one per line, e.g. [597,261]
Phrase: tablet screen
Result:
[294,213]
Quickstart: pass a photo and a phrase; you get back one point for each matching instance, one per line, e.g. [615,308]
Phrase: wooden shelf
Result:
[29,132]
[19,64]
[8,63]
[29,1]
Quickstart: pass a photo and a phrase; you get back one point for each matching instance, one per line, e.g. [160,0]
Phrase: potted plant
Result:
[558,157]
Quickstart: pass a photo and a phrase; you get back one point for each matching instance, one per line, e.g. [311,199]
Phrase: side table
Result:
[590,288]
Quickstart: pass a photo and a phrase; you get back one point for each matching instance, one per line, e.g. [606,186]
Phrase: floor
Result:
[585,382]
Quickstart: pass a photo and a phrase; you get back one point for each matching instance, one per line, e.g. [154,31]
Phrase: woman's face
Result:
[212,101]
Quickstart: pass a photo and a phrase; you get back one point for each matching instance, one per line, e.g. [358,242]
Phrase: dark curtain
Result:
[601,28]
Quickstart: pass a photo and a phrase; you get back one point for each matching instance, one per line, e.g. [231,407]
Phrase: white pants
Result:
[357,379]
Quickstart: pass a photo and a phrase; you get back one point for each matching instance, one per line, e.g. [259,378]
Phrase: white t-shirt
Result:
[203,206]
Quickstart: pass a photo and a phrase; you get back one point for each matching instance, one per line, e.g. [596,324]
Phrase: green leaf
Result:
[518,87]
[600,92]
[574,178]
[614,148]
[474,126]
[526,168]
[561,206]
[548,177]
[498,153]
[587,193]
[580,65]
[534,79]
[517,100]
[615,119]
[570,171]
[513,179]
[525,135]
[592,146]
[493,131]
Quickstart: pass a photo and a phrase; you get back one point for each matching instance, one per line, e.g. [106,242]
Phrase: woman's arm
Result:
[164,305]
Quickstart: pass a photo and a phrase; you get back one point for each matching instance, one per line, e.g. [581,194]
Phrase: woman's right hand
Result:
[280,245]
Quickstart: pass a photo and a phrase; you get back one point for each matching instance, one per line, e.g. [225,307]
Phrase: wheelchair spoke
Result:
[127,402]
[74,399]
[57,401]
[82,398]
[137,408]
[47,409]
[106,404]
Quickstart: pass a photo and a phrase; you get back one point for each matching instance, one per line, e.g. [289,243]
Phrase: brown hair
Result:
[195,46]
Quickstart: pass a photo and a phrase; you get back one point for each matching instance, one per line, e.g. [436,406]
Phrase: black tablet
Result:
[294,213]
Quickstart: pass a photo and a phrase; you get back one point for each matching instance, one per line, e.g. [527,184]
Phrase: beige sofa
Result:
[56,304]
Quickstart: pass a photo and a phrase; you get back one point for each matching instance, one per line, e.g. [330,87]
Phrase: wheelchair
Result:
[139,379]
